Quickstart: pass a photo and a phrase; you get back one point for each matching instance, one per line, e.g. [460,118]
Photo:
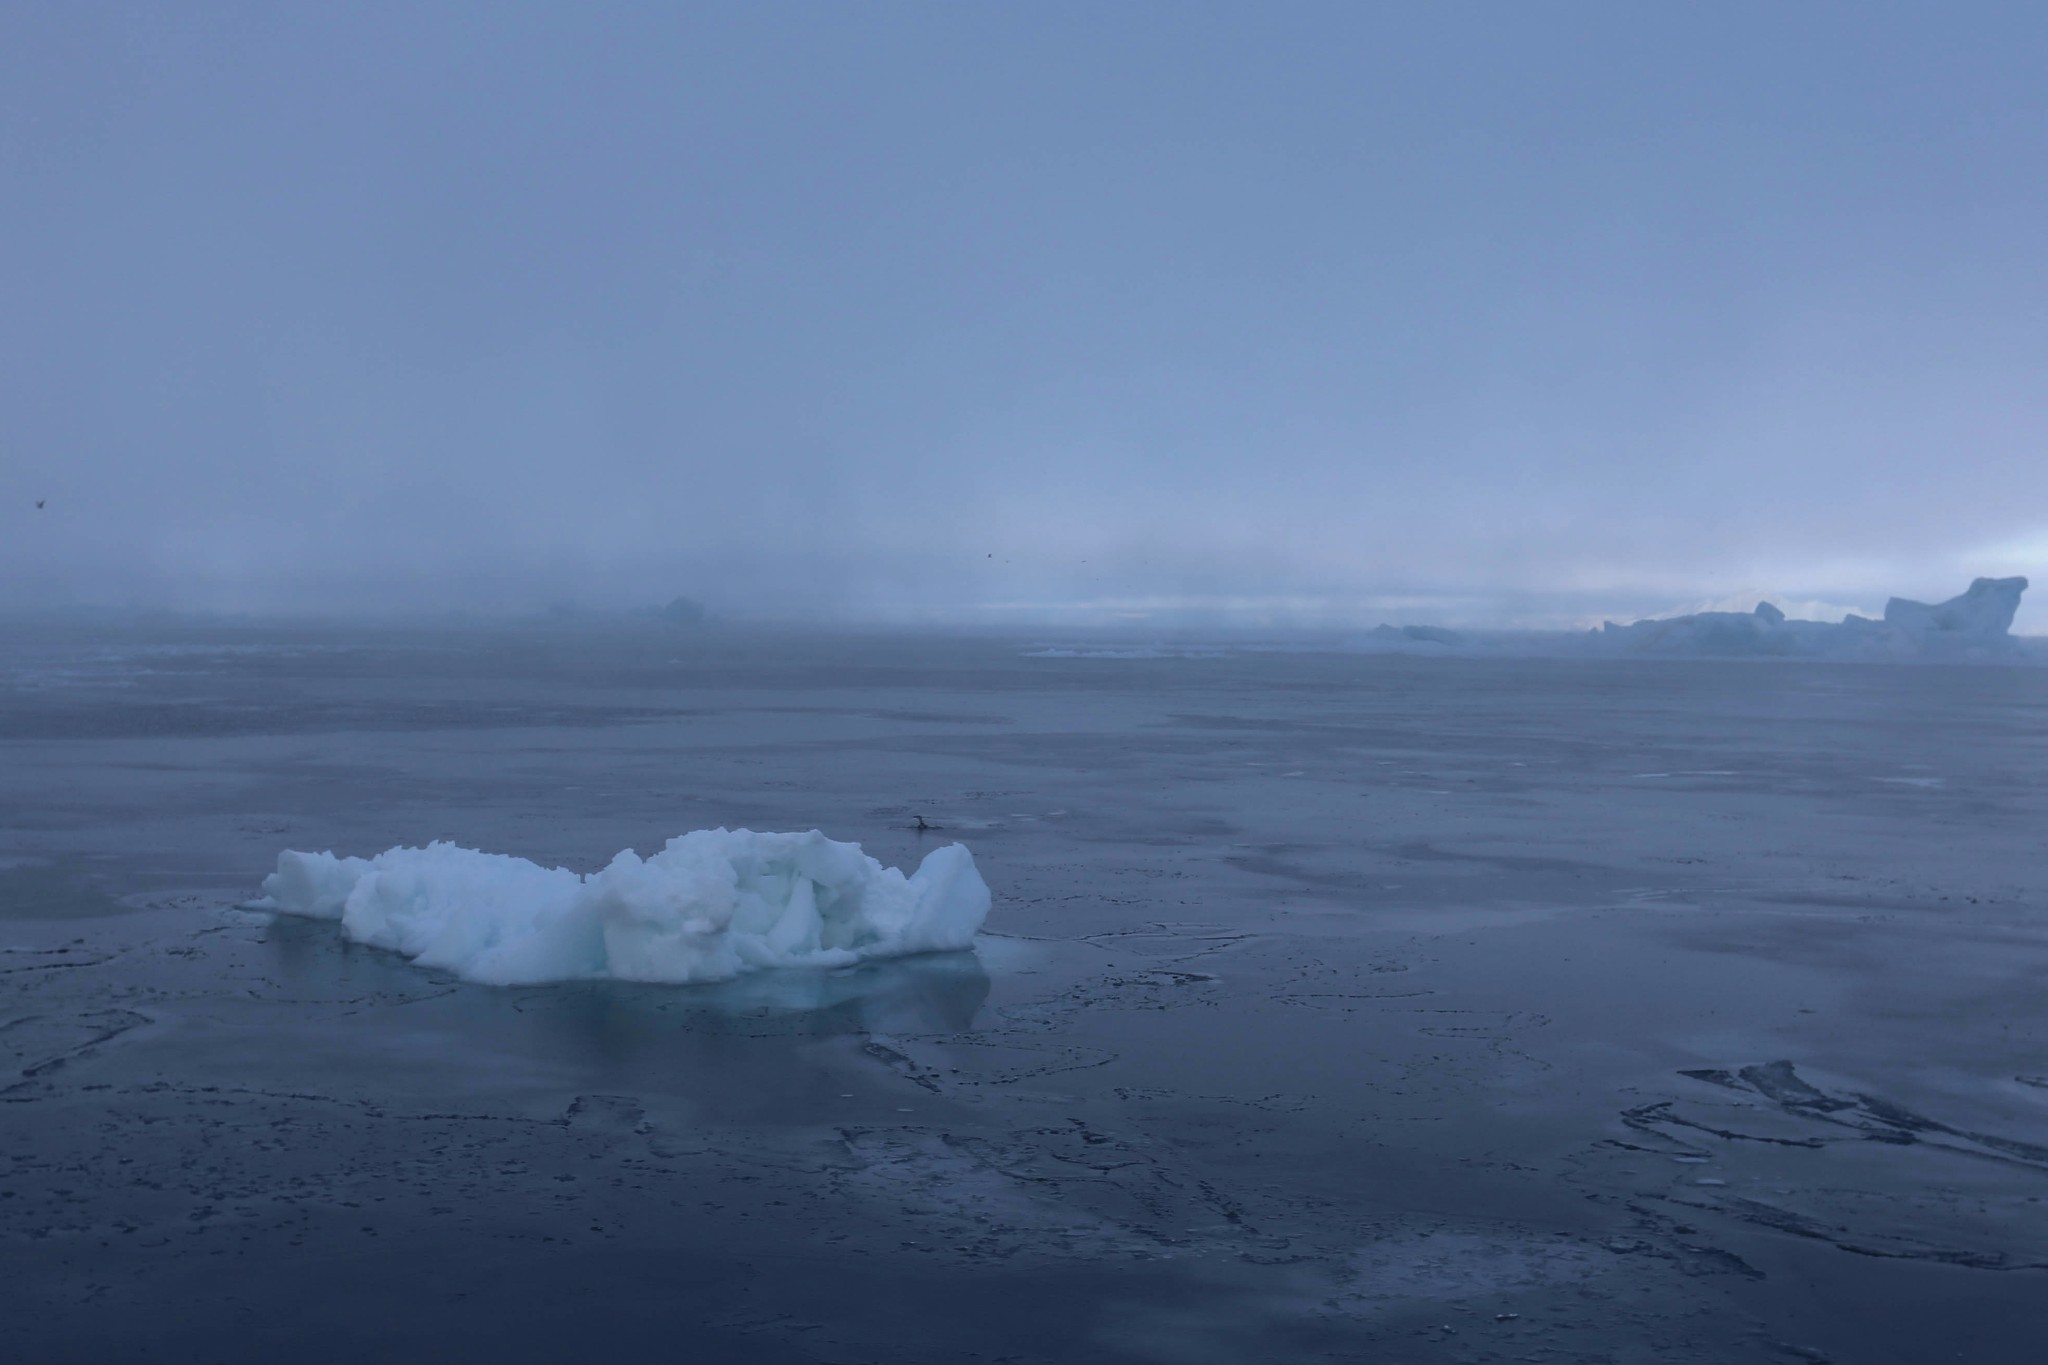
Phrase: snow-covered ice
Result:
[713,904]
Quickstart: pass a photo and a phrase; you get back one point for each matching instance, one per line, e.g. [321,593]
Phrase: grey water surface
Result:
[1332,1007]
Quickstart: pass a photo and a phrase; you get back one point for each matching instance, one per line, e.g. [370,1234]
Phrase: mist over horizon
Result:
[1163,315]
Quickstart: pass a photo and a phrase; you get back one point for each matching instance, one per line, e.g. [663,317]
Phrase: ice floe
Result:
[712,905]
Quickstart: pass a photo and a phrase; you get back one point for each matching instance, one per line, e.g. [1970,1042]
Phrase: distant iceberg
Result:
[1986,610]
[1406,638]
[712,905]
[1974,627]
[1976,624]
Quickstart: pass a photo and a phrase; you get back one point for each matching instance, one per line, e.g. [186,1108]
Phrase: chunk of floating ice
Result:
[713,904]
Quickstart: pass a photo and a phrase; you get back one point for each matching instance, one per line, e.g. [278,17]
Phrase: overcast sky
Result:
[1465,312]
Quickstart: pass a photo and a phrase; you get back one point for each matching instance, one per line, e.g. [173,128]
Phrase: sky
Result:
[1483,314]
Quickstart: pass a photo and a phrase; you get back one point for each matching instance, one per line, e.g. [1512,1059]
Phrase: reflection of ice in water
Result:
[930,993]
[936,993]
[629,1025]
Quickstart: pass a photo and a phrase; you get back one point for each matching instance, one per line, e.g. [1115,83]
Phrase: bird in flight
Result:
[39,503]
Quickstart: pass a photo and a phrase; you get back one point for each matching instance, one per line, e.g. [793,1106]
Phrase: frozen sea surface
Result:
[1359,1007]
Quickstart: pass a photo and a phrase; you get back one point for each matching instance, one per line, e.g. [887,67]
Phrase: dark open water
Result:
[1334,1007]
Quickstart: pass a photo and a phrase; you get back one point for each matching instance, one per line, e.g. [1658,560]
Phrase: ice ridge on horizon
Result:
[1976,623]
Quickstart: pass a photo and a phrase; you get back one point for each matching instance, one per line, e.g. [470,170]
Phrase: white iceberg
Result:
[1986,609]
[712,905]
[1975,625]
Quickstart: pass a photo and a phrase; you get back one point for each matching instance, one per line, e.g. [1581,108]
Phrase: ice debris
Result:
[713,904]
